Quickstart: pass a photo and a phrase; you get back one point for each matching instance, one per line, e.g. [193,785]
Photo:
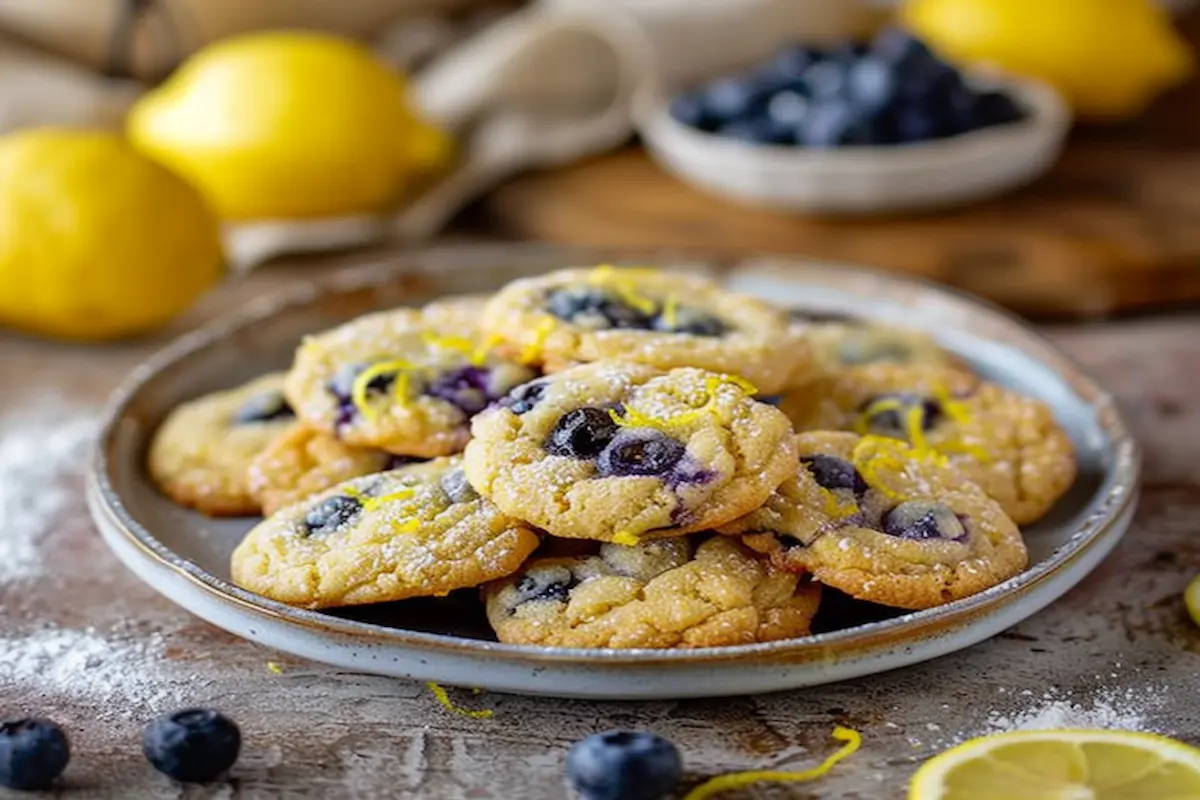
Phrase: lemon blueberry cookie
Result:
[200,454]
[841,341]
[399,381]
[616,451]
[302,461]
[870,517]
[417,531]
[662,319]
[659,594]
[1008,444]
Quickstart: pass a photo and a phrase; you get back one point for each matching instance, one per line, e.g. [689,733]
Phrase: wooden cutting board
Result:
[1115,226]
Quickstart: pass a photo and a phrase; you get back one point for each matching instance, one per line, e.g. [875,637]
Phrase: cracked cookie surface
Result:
[417,531]
[1008,444]
[302,461]
[200,454]
[661,319]
[662,594]
[615,451]
[405,381]
[868,517]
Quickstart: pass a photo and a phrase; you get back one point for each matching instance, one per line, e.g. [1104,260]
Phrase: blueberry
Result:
[465,388]
[197,745]
[688,108]
[825,80]
[624,765]
[899,46]
[547,582]
[263,407]
[921,520]
[454,483]
[846,52]
[893,422]
[871,84]
[997,108]
[835,473]
[729,99]
[523,398]
[33,752]
[789,64]
[395,462]
[592,308]
[331,513]
[640,451]
[692,322]
[581,433]
[830,124]
[916,123]
[757,130]
[788,108]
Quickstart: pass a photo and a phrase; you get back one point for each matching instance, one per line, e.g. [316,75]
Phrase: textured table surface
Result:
[82,641]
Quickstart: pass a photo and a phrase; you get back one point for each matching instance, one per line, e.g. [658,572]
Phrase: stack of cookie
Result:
[620,458]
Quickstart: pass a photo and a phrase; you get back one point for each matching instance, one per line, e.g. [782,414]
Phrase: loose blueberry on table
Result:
[33,752]
[197,745]
[892,91]
[624,765]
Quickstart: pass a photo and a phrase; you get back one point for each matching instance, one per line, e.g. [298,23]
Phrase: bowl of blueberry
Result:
[885,126]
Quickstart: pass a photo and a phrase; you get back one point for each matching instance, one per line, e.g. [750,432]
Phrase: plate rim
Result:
[1118,489]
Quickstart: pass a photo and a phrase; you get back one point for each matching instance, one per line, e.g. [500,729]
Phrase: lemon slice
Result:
[1062,765]
[1191,598]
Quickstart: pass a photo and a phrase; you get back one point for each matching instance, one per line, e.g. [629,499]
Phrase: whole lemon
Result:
[1108,57]
[96,240]
[286,125]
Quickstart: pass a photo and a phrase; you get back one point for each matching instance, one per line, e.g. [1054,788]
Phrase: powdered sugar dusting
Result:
[39,446]
[117,675]
[1111,709]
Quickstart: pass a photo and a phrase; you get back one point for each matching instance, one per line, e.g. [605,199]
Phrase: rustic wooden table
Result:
[84,642]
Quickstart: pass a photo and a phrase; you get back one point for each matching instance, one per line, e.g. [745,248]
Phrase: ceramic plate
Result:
[186,556]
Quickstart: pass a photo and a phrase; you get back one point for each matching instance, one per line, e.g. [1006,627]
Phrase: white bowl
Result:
[864,180]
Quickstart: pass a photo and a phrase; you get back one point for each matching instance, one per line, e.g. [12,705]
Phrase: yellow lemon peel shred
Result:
[670,311]
[736,780]
[461,344]
[533,351]
[624,283]
[372,503]
[627,538]
[443,699]
[273,667]
[358,392]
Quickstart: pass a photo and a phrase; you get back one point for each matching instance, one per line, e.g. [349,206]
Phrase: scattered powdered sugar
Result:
[119,675]
[40,445]
[1110,709]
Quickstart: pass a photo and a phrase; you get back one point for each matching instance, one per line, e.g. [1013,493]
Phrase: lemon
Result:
[1191,598]
[96,240]
[288,125]
[1108,58]
[1062,765]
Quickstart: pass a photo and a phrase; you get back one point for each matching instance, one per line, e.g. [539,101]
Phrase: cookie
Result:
[200,454]
[402,381]
[417,531]
[458,312]
[615,451]
[660,594]
[881,523]
[302,461]
[1008,444]
[846,342]
[661,319]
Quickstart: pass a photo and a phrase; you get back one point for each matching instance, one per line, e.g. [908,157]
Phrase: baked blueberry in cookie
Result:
[660,594]
[401,381]
[418,531]
[200,455]
[616,451]
[646,316]
[1009,445]
[875,519]
[839,341]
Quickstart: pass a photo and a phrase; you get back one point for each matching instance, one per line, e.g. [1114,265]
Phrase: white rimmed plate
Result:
[185,556]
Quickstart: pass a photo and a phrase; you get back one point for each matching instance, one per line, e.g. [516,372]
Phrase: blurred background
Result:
[1042,154]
